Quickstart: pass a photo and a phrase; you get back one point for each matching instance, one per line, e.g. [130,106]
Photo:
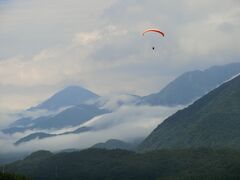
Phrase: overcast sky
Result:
[47,45]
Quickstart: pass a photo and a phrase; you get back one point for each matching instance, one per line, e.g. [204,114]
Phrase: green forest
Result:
[8,176]
[89,164]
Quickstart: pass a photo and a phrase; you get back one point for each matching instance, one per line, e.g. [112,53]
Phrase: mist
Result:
[127,123]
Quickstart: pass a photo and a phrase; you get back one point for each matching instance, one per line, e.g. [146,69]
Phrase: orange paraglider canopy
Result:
[154,30]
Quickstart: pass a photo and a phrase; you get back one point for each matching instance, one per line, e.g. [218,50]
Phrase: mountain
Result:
[34,136]
[25,121]
[73,116]
[114,144]
[70,96]
[192,85]
[213,121]
[41,135]
[39,155]
[118,164]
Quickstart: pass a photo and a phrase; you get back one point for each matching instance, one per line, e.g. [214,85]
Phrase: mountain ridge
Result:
[192,85]
[212,121]
[73,116]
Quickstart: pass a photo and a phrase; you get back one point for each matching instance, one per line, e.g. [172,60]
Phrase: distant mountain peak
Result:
[72,89]
[69,96]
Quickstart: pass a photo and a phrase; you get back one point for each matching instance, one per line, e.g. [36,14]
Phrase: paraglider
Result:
[154,31]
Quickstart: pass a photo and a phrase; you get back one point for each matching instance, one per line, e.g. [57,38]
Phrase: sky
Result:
[47,45]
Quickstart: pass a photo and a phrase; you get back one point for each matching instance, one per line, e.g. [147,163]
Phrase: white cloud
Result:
[99,45]
[5,119]
[216,34]
[87,38]
[126,123]
[115,101]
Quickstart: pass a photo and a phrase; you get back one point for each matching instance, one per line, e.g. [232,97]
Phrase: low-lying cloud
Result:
[127,123]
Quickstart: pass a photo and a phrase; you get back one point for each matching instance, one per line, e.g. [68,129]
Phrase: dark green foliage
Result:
[191,164]
[212,121]
[7,176]
[114,144]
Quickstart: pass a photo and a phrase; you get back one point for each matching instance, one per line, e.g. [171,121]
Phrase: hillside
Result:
[92,164]
[212,121]
[114,144]
[7,176]
[192,85]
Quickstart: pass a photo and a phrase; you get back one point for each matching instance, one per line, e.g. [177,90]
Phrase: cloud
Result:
[5,119]
[131,115]
[115,101]
[192,28]
[100,46]
[127,123]
[213,35]
[87,38]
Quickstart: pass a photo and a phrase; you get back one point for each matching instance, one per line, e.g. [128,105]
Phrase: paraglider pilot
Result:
[155,31]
